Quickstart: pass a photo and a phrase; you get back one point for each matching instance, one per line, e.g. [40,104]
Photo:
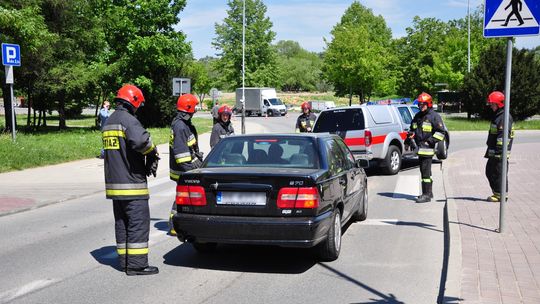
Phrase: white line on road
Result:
[25,289]
[407,187]
[380,222]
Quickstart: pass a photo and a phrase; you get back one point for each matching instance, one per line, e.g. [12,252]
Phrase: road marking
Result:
[380,222]
[25,289]
[407,187]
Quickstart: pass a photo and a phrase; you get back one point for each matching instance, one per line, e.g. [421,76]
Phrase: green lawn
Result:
[79,141]
[463,124]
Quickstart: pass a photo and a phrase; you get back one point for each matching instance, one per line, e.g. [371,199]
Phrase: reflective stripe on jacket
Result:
[125,142]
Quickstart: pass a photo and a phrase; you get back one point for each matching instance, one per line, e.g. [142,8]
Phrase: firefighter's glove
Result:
[199,156]
[197,163]
[152,162]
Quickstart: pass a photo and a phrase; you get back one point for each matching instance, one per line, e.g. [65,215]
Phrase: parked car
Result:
[375,132]
[290,190]
[319,105]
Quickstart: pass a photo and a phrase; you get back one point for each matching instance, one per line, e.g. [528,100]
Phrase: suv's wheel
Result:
[329,249]
[392,162]
[361,212]
[204,247]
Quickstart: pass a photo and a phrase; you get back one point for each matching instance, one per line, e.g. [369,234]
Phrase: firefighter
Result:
[306,120]
[495,145]
[184,152]
[130,156]
[223,127]
[426,130]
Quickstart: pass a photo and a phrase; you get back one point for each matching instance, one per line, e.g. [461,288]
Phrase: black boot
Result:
[148,270]
[424,198]
[429,189]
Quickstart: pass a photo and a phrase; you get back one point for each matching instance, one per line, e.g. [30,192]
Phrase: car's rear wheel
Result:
[204,247]
[329,249]
[392,162]
[362,211]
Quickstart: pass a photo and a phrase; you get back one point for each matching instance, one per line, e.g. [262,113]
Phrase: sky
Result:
[309,22]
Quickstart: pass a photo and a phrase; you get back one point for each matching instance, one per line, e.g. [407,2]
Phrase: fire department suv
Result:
[376,132]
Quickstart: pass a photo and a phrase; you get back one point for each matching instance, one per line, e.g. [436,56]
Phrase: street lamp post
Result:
[468,37]
[244,68]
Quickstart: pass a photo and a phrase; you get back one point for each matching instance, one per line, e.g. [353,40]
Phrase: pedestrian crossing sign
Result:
[511,18]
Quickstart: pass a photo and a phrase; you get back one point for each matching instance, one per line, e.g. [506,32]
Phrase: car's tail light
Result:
[367,138]
[190,195]
[306,197]
[286,198]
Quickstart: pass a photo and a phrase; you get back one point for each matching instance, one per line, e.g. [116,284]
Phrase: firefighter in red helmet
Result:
[223,127]
[184,152]
[495,145]
[130,156]
[426,130]
[306,120]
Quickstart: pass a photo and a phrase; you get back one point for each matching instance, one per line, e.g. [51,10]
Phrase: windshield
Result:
[274,152]
[275,101]
[339,120]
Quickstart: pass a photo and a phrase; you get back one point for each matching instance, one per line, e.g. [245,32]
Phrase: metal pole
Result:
[244,68]
[504,158]
[13,136]
[468,38]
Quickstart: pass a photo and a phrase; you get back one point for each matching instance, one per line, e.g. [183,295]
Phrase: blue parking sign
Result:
[11,54]
[511,18]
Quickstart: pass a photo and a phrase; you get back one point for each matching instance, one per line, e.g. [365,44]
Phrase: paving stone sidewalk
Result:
[495,267]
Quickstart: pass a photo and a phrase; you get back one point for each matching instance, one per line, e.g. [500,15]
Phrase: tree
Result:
[300,69]
[359,55]
[489,75]
[260,56]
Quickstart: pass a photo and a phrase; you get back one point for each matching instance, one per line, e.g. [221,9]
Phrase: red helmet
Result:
[305,105]
[497,98]
[131,94]
[187,103]
[425,98]
[225,110]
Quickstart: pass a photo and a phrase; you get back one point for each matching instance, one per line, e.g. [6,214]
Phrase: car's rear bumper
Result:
[363,155]
[286,232]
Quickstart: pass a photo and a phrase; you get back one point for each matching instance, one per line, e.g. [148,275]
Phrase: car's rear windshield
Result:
[276,152]
[339,120]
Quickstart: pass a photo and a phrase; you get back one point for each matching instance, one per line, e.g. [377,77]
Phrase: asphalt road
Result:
[65,253]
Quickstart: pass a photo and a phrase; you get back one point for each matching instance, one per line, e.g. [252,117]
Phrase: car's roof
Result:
[366,105]
[298,135]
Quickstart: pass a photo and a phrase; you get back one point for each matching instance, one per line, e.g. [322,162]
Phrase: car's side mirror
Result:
[362,163]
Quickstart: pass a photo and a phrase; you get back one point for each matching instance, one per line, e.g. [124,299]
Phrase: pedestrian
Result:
[495,145]
[184,152]
[306,120]
[426,130]
[223,127]
[102,118]
[130,156]
[214,111]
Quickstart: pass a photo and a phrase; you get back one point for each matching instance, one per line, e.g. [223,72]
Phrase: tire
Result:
[392,162]
[204,247]
[362,211]
[270,113]
[329,249]
[442,150]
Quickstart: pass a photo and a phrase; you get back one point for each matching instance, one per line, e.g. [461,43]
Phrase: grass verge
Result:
[49,146]
[463,124]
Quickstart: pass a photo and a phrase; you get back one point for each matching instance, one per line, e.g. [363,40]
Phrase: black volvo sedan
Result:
[291,190]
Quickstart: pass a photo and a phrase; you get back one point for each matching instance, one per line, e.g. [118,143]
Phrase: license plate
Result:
[241,198]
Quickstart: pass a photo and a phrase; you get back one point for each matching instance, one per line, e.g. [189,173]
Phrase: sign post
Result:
[11,56]
[509,18]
